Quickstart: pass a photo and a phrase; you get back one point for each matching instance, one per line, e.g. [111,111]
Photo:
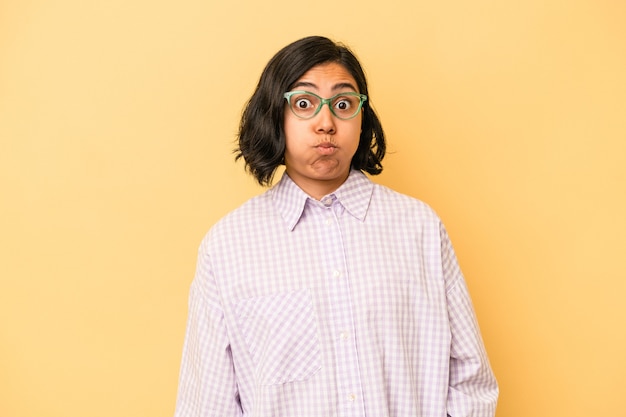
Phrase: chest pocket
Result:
[281,334]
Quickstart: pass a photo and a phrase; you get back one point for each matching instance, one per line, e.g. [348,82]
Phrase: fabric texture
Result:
[353,305]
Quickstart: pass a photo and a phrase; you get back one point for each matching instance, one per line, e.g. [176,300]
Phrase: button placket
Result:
[340,315]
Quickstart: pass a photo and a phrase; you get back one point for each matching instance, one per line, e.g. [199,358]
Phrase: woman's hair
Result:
[261,138]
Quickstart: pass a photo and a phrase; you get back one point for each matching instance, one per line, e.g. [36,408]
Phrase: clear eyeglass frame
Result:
[362,98]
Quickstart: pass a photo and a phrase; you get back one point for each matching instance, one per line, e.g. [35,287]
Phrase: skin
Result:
[319,150]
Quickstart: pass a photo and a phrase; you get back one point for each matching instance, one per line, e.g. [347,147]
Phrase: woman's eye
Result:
[303,103]
[343,104]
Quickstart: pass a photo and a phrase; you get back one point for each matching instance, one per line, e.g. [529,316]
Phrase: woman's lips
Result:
[326,148]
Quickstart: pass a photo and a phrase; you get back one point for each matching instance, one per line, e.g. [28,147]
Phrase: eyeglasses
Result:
[306,105]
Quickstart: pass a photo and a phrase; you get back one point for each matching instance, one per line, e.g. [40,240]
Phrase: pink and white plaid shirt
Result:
[349,306]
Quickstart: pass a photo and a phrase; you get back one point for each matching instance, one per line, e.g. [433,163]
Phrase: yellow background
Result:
[117,121]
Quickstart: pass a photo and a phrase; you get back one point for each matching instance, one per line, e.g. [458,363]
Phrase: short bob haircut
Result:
[261,138]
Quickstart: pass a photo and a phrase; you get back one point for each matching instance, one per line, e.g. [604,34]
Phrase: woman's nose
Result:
[325,120]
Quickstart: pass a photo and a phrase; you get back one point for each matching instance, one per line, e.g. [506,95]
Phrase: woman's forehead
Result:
[332,75]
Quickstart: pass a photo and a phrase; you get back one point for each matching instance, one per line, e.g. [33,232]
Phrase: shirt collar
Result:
[354,195]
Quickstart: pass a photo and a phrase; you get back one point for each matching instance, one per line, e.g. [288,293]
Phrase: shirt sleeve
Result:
[473,390]
[207,385]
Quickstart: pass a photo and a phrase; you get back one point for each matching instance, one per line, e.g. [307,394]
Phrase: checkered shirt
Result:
[350,306]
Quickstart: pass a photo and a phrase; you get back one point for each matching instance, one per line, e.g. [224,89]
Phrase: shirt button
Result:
[351,398]
[336,273]
[343,335]
[329,220]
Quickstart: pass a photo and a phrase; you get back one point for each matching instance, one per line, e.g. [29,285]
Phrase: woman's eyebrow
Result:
[304,84]
[342,86]
[339,86]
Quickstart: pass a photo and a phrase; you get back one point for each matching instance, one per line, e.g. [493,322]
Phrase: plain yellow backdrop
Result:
[117,122]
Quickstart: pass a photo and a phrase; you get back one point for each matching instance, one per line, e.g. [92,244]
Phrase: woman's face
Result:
[319,150]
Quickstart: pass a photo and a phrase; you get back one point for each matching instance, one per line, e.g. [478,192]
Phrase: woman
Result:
[328,294]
